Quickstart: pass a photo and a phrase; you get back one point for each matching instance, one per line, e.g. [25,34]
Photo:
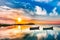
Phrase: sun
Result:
[19,19]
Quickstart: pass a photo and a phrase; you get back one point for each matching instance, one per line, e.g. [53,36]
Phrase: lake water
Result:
[23,32]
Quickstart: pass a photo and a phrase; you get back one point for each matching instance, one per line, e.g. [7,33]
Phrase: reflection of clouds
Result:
[41,35]
[36,35]
[11,33]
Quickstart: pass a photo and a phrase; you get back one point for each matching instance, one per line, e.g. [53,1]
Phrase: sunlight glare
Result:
[19,19]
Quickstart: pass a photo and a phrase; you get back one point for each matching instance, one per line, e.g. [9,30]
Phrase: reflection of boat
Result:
[34,28]
[50,28]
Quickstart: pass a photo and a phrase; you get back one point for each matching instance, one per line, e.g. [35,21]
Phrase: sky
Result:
[34,5]
[48,10]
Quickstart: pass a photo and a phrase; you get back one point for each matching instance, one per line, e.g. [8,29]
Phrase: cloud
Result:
[46,1]
[13,14]
[39,11]
[16,1]
[58,4]
[4,7]
[43,12]
[54,13]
